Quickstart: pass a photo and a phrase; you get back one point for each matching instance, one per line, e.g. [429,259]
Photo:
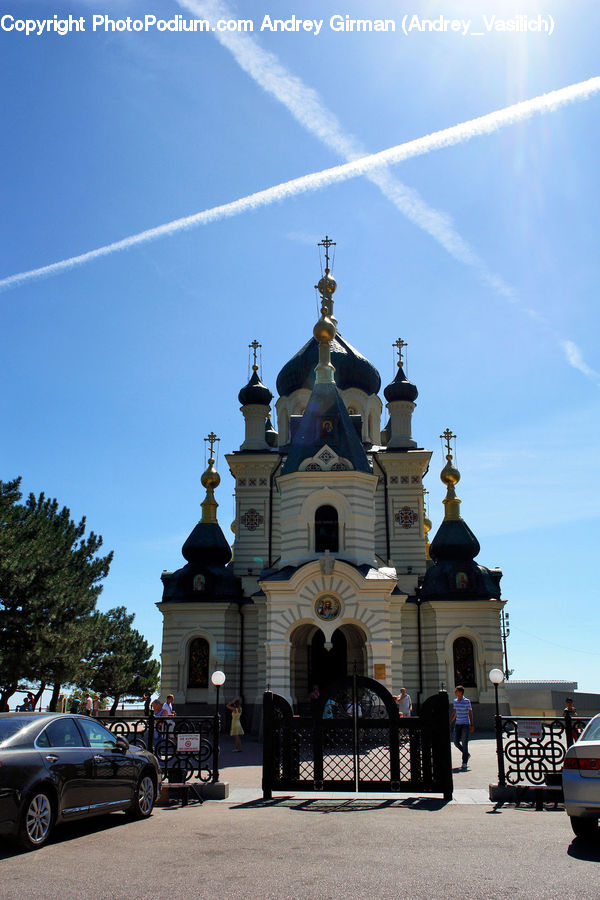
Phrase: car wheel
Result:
[584,828]
[37,820]
[145,795]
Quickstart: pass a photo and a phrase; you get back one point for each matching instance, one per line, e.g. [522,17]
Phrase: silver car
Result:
[581,781]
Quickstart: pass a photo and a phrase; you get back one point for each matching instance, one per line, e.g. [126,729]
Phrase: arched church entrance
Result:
[313,660]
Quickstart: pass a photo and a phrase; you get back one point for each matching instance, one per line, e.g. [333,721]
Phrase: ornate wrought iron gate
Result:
[356,741]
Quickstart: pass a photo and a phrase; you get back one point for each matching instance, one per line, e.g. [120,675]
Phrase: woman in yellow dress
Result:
[236,726]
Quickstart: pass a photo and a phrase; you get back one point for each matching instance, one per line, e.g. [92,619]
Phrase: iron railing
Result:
[531,749]
[160,736]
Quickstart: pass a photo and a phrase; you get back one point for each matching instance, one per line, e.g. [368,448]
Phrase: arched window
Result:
[326,530]
[198,658]
[464,662]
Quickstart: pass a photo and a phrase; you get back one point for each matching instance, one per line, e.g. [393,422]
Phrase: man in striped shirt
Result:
[462,719]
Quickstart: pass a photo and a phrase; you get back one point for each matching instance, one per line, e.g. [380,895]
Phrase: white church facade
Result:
[331,571]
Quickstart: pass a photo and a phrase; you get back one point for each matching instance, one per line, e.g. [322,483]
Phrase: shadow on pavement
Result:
[580,848]
[428,804]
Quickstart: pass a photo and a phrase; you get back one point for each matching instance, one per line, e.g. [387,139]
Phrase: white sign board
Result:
[188,743]
[530,728]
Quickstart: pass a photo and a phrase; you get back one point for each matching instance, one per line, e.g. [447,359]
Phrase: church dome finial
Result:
[255,393]
[325,330]
[400,388]
[450,476]
[210,480]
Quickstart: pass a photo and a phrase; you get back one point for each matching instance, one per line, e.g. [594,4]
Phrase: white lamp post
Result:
[496,677]
[217,678]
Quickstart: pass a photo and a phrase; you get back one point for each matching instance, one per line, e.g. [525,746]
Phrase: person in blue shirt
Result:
[462,719]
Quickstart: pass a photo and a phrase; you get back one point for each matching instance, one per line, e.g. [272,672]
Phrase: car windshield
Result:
[592,732]
[10,728]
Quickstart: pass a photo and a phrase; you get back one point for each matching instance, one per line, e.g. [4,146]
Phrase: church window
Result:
[326,530]
[198,659]
[252,519]
[325,455]
[406,517]
[464,662]
[338,467]
[313,467]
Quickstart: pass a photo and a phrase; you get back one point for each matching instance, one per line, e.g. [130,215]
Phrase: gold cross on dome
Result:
[400,345]
[212,439]
[327,243]
[448,436]
[254,346]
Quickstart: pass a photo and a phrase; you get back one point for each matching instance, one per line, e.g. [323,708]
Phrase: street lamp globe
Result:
[496,676]
[218,678]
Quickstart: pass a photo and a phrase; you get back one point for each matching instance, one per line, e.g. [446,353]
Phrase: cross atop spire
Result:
[448,436]
[327,243]
[212,439]
[400,345]
[254,346]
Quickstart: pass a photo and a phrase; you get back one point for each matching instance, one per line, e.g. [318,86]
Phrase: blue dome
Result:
[352,369]
[255,392]
[401,388]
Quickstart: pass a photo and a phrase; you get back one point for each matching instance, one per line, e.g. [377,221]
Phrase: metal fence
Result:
[532,750]
[166,738]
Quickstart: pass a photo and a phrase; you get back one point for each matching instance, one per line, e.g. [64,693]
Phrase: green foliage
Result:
[50,579]
[121,662]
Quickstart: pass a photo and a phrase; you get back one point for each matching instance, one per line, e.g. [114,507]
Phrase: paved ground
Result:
[315,847]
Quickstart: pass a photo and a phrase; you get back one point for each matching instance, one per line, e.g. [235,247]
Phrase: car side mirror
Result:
[122,744]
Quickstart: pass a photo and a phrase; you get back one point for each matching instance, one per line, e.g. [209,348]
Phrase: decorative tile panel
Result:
[252,519]
[242,482]
[406,517]
[404,479]
[252,482]
[262,482]
[394,479]
[415,479]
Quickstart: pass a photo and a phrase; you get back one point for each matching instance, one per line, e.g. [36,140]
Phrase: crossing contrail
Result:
[309,110]
[437,140]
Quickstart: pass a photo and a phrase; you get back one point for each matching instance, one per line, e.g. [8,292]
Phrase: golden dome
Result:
[327,284]
[324,330]
[449,474]
[210,478]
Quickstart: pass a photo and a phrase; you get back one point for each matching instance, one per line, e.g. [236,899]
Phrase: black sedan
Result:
[57,768]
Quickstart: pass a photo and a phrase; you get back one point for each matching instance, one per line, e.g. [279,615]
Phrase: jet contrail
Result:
[446,137]
[307,107]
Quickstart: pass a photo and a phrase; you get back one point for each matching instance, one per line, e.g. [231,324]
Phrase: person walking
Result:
[404,703]
[236,732]
[462,719]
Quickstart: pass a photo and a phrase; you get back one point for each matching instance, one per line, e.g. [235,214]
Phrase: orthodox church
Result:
[331,570]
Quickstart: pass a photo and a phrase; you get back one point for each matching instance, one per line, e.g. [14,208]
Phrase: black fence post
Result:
[151,731]
[568,728]
[500,752]
[268,762]
[216,748]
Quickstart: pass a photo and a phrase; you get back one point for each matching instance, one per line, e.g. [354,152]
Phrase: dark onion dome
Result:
[255,392]
[271,436]
[454,540]
[401,388]
[206,546]
[352,369]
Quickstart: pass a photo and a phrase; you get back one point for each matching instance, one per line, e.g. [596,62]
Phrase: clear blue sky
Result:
[115,371]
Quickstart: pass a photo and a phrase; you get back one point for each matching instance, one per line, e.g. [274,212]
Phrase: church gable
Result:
[326,460]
